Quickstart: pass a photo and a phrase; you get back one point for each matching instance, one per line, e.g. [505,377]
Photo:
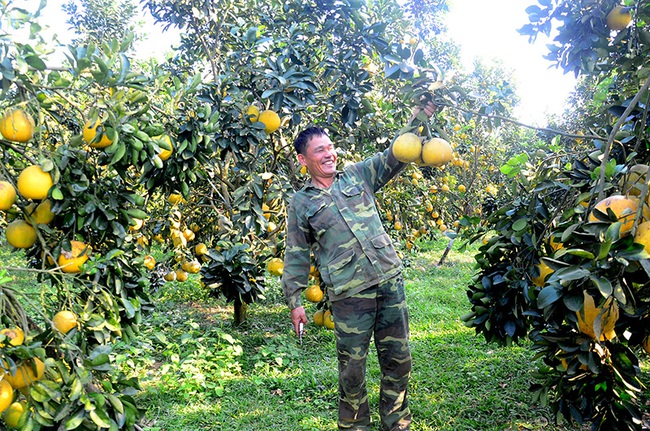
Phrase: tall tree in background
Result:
[99,21]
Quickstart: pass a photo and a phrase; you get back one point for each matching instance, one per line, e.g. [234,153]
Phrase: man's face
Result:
[320,157]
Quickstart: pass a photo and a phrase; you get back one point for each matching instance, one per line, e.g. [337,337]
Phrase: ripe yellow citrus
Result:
[642,235]
[266,211]
[71,261]
[314,293]
[544,270]
[164,153]
[328,319]
[90,134]
[12,415]
[181,275]
[646,345]
[15,335]
[436,152]
[252,113]
[191,266]
[137,224]
[407,147]
[33,183]
[25,374]
[619,18]
[624,209]
[275,266]
[200,249]
[271,120]
[20,234]
[462,188]
[635,179]
[588,314]
[6,394]
[175,198]
[319,318]
[398,226]
[41,213]
[189,234]
[64,321]
[7,195]
[17,125]
[170,276]
[149,262]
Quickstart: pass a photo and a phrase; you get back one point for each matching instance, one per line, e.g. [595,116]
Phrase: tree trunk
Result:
[241,309]
[447,250]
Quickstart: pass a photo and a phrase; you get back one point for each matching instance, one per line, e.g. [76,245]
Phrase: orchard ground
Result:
[198,372]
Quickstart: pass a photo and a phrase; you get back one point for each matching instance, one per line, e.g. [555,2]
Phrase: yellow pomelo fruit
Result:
[314,293]
[149,262]
[436,152]
[624,209]
[137,224]
[17,125]
[12,415]
[20,234]
[41,213]
[7,195]
[15,335]
[64,321]
[25,374]
[200,249]
[181,275]
[252,113]
[589,313]
[164,153]
[407,147]
[642,235]
[33,183]
[6,394]
[170,276]
[90,134]
[275,266]
[271,120]
[319,317]
[646,345]
[398,226]
[544,270]
[189,234]
[175,198]
[619,18]
[71,261]
[634,181]
[328,319]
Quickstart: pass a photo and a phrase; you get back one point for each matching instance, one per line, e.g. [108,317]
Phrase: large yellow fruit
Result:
[34,183]
[271,120]
[6,394]
[646,345]
[252,113]
[41,213]
[635,178]
[20,234]
[436,152]
[16,336]
[642,235]
[164,153]
[64,321]
[314,293]
[25,374]
[149,262]
[328,319]
[17,125]
[589,313]
[619,18]
[181,275]
[90,134]
[7,195]
[275,266]
[71,261]
[200,249]
[407,147]
[319,317]
[544,270]
[12,415]
[623,207]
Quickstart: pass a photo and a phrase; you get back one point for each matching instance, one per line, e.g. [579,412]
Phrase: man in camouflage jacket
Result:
[334,217]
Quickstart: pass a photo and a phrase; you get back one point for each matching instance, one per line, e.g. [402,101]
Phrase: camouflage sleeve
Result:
[381,168]
[296,256]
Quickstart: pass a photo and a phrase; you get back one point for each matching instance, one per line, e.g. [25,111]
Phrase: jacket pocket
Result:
[341,270]
[385,252]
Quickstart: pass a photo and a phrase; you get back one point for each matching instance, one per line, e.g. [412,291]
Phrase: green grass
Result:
[264,378]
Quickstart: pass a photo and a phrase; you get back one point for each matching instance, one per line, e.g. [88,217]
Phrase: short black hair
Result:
[300,144]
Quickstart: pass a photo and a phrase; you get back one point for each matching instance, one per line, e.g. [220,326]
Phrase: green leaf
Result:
[602,284]
[580,253]
[547,296]
[520,224]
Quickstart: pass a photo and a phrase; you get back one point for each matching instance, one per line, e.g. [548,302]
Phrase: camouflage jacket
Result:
[341,227]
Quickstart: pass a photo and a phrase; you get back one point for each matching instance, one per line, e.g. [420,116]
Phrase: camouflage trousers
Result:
[380,311]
